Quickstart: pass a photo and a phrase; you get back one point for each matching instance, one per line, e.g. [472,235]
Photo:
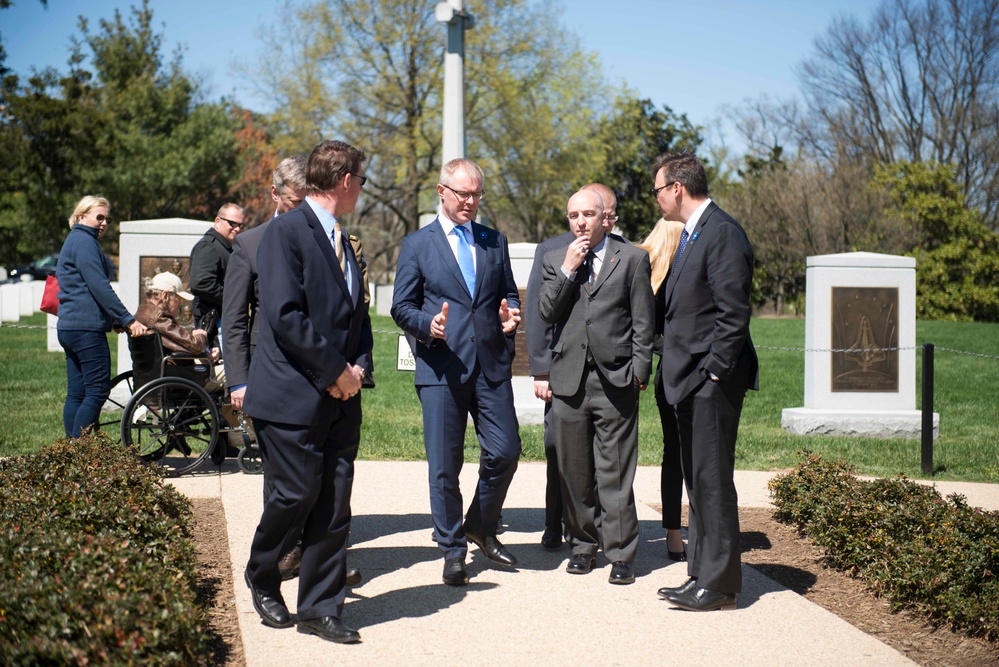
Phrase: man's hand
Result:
[542,390]
[576,253]
[136,328]
[236,397]
[509,317]
[348,384]
[439,323]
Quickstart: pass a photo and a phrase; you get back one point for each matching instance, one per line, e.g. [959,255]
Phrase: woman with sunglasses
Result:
[88,309]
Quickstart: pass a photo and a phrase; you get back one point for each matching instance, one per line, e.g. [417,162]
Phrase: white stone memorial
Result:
[860,348]
[530,409]
[10,302]
[148,247]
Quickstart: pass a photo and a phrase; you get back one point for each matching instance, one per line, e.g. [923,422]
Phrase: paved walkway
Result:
[537,615]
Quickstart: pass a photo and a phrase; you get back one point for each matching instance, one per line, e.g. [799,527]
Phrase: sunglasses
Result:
[103,218]
[235,225]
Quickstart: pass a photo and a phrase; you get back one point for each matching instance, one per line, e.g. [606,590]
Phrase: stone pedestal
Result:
[860,340]
[148,247]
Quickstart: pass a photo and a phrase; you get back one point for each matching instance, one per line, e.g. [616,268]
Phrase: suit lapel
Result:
[439,239]
[326,247]
[688,249]
[611,261]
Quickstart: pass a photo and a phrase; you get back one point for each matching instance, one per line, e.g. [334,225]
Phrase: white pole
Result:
[453,140]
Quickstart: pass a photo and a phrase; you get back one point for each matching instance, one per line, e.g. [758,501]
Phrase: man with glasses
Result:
[209,261]
[708,363]
[455,294]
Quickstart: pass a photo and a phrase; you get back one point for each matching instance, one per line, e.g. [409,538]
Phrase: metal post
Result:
[453,14]
[927,428]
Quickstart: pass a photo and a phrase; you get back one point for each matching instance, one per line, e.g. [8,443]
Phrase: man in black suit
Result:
[597,292]
[313,351]
[455,295]
[708,363]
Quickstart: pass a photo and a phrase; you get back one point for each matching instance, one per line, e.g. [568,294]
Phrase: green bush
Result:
[916,549]
[96,561]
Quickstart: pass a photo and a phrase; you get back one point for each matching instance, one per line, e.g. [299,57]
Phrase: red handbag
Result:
[50,296]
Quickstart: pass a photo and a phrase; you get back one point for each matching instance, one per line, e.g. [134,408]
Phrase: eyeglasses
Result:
[234,225]
[465,196]
[610,218]
[102,218]
[364,179]
[656,191]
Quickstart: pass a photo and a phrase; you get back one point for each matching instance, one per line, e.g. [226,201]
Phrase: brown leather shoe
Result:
[290,564]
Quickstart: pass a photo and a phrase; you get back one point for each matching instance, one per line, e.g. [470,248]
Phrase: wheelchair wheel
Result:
[173,423]
[122,388]
[249,460]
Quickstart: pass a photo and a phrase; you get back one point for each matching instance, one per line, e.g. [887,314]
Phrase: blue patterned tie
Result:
[465,262]
[683,244]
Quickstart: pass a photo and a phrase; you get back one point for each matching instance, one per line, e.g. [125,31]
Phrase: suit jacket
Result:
[539,332]
[707,309]
[311,326]
[239,305]
[613,322]
[426,276]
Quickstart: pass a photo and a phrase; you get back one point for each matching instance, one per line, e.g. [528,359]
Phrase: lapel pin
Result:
[694,237]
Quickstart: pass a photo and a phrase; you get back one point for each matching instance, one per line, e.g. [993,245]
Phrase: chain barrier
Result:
[779,348]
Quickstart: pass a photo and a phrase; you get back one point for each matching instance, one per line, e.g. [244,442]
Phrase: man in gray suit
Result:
[709,363]
[597,293]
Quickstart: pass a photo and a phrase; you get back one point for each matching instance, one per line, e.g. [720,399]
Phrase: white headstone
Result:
[10,302]
[860,341]
[26,298]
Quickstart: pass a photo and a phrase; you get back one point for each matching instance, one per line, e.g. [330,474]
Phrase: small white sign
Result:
[404,361]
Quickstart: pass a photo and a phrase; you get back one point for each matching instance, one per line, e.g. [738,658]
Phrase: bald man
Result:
[597,294]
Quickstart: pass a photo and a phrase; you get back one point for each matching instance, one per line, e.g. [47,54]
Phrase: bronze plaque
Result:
[865,339]
[180,267]
[521,362]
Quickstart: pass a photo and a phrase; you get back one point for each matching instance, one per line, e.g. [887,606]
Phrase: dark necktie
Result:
[683,244]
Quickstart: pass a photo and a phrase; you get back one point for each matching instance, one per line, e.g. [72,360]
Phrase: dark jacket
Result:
[209,261]
[86,300]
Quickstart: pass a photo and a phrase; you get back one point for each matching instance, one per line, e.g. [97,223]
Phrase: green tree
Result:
[130,128]
[632,136]
[957,256]
[371,72]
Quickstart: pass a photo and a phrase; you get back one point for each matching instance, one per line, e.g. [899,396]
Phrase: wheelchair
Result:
[179,415]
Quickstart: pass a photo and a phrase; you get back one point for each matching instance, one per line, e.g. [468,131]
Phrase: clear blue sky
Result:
[694,56]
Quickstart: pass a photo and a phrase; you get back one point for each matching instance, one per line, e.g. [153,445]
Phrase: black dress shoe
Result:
[550,540]
[272,609]
[354,577]
[678,556]
[701,599]
[580,564]
[685,587]
[491,547]
[454,572]
[622,573]
[330,628]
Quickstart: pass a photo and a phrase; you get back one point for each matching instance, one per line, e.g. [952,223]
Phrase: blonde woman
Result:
[88,309]
[661,244]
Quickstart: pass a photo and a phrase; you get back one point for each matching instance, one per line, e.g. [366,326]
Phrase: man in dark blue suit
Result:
[313,350]
[455,294]
[708,364]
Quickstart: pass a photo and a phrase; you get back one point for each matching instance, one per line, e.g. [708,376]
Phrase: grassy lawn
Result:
[33,386]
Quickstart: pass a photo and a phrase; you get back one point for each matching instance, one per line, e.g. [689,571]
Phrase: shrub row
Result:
[937,556]
[96,561]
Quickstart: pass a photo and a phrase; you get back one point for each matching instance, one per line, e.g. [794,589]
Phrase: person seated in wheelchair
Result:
[158,312]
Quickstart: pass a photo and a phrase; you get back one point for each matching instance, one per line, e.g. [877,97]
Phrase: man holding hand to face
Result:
[455,294]
[597,293]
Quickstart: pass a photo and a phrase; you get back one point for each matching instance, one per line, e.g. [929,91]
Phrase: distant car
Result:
[37,270]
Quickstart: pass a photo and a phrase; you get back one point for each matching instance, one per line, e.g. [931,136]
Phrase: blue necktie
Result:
[465,262]
[683,244]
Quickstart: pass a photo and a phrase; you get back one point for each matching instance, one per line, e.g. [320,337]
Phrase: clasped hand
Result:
[348,384]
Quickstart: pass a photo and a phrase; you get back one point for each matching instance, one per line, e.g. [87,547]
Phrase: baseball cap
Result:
[169,282]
